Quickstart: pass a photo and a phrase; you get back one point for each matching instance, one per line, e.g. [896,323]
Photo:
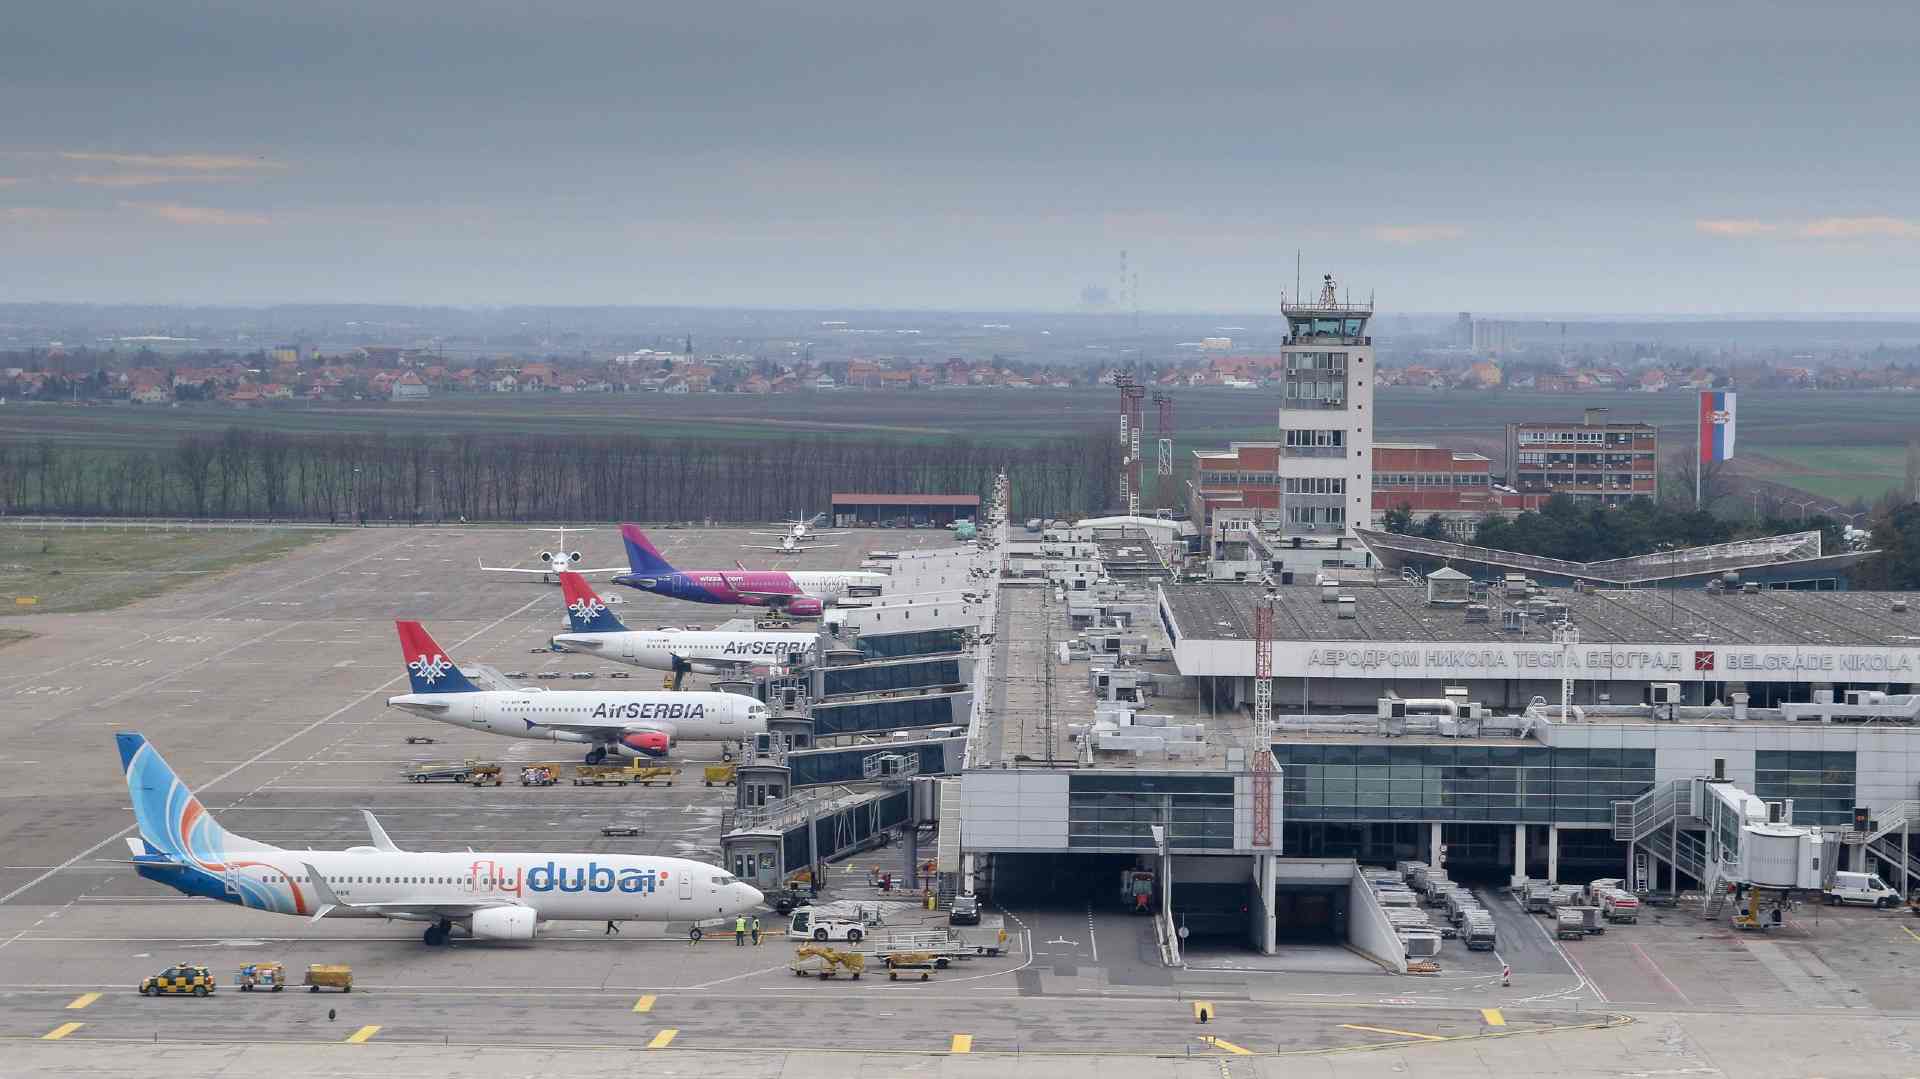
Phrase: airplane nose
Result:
[754,896]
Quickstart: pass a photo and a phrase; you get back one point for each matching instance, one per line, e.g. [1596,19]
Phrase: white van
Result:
[1861,888]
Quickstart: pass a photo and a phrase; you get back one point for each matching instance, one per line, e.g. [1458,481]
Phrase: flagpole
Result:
[1699,458]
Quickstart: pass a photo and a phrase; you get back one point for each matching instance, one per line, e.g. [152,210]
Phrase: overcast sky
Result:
[1620,156]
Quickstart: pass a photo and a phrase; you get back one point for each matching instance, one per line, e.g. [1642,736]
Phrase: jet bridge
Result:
[1724,838]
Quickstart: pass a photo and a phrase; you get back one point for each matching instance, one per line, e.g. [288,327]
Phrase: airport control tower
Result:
[1326,420]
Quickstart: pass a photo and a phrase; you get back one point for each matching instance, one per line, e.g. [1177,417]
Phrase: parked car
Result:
[965,911]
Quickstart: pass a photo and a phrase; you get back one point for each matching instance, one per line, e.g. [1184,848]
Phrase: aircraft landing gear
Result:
[437,934]
[597,754]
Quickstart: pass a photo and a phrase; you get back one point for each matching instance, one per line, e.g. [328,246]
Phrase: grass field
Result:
[1778,429]
[97,569]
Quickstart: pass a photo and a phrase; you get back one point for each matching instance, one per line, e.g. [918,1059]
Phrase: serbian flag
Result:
[1716,425]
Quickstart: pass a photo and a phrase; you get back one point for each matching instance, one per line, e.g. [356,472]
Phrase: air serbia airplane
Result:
[624,724]
[595,631]
[798,592]
[489,896]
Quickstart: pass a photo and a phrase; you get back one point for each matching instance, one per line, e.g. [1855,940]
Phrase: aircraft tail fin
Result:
[642,556]
[428,668]
[586,612]
[171,819]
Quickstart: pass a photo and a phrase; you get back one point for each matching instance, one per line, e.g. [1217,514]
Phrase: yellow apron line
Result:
[1910,932]
[1218,1043]
[1493,1017]
[359,1037]
[83,1000]
[1396,1033]
[60,1031]
[663,1039]
[644,1004]
[962,1043]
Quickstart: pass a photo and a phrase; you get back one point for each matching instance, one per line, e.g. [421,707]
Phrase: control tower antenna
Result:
[1163,463]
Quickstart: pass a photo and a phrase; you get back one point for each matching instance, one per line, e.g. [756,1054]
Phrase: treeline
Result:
[1566,529]
[243,472]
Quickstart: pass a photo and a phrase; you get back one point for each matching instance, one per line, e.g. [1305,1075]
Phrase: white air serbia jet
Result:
[489,896]
[625,724]
[595,631]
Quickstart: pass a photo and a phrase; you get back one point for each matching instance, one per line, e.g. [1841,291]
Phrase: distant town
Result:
[298,373]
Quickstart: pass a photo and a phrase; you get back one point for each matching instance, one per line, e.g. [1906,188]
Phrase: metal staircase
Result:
[1648,814]
[1884,842]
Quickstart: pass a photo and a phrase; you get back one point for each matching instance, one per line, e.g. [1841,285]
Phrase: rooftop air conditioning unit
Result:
[1665,692]
[1899,606]
[1477,612]
[1751,588]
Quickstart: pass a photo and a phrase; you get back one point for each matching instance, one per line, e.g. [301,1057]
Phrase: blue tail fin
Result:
[172,820]
[428,668]
[586,612]
[641,554]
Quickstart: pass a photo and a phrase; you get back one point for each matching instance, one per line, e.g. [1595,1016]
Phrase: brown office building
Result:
[1595,460]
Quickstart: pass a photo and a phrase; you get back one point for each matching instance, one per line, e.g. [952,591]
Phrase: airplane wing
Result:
[774,547]
[326,902]
[550,569]
[766,533]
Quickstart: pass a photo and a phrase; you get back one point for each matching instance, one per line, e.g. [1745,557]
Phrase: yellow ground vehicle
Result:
[924,962]
[264,976]
[825,962]
[179,980]
[329,975]
[619,775]
[722,774]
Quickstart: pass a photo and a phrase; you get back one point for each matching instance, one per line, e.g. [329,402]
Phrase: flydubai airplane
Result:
[624,724]
[797,592]
[488,896]
[596,631]
[552,562]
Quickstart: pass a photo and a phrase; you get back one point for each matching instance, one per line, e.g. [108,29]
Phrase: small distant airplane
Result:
[799,530]
[789,545]
[555,560]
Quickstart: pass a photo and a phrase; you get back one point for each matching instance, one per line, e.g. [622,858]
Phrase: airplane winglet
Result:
[739,565]
[379,834]
[321,891]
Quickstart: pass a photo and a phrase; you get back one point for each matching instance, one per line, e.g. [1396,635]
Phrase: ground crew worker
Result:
[740,931]
[756,930]
[612,929]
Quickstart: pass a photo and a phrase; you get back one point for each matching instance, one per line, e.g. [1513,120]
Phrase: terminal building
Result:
[1096,718]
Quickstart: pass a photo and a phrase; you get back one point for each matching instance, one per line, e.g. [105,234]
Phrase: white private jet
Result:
[595,631]
[788,545]
[625,724]
[506,896]
[800,530]
[552,562]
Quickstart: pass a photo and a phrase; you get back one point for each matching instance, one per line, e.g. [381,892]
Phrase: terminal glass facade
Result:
[1120,810]
[881,678]
[1821,784]
[879,716]
[1501,784]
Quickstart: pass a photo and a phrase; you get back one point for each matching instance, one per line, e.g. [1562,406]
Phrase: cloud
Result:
[197,215]
[22,215]
[1859,228]
[1418,234]
[153,179]
[1727,226]
[193,162]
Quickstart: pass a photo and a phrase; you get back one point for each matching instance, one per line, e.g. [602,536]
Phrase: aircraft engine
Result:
[505,923]
[547,557]
[651,744]
[806,607]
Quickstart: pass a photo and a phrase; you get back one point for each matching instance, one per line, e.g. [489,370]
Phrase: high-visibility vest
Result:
[739,925]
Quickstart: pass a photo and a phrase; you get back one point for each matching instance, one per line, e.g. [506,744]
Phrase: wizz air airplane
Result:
[596,631]
[797,592]
[625,724]
[488,896]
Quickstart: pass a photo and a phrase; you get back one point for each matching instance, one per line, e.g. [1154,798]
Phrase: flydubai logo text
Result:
[594,878]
